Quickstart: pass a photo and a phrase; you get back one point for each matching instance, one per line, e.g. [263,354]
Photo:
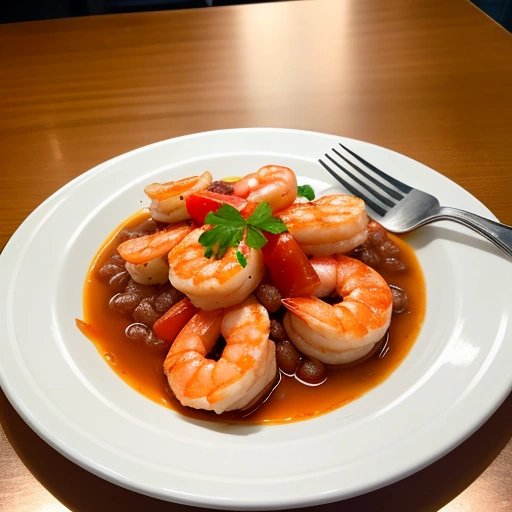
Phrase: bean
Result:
[124,302]
[277,332]
[287,356]
[109,270]
[137,332]
[400,299]
[141,333]
[312,372]
[145,313]
[116,259]
[393,264]
[370,257]
[146,227]
[139,289]
[166,300]
[119,281]
[388,248]
[376,233]
[269,297]
[128,234]
[221,187]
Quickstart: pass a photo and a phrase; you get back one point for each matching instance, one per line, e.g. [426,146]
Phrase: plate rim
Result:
[222,503]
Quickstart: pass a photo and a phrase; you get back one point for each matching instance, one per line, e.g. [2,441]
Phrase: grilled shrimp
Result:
[168,199]
[333,224]
[245,370]
[146,256]
[274,184]
[214,283]
[346,331]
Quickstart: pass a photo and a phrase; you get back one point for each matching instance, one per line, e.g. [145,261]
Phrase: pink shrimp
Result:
[169,199]
[244,372]
[214,283]
[146,256]
[330,225]
[346,331]
[274,184]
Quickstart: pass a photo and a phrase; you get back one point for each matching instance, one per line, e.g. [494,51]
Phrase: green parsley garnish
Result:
[306,191]
[229,228]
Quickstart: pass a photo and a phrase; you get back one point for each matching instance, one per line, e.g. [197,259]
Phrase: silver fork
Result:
[401,208]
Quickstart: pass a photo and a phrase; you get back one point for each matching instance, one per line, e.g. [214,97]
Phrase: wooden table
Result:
[429,78]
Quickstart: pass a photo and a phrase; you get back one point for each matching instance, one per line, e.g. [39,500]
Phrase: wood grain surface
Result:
[427,78]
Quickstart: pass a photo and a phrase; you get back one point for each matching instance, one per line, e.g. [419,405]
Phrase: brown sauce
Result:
[141,367]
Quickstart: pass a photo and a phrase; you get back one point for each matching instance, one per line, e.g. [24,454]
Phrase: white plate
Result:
[456,375]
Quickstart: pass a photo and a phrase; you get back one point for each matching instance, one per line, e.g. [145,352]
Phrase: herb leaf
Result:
[262,218]
[273,226]
[226,214]
[261,213]
[241,259]
[209,238]
[255,237]
[229,228]
[306,191]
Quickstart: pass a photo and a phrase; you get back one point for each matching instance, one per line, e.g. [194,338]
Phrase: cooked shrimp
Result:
[333,224]
[146,256]
[155,271]
[326,270]
[145,248]
[214,283]
[348,330]
[168,199]
[274,184]
[245,370]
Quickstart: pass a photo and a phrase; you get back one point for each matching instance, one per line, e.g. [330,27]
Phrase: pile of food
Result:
[242,283]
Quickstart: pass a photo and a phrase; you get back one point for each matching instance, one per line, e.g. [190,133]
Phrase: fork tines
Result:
[382,191]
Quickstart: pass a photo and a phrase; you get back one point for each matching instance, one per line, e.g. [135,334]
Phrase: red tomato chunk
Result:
[290,270]
[169,325]
[201,204]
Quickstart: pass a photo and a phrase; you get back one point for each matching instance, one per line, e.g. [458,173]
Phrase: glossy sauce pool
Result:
[141,367]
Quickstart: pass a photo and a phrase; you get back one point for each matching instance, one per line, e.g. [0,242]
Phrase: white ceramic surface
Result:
[456,375]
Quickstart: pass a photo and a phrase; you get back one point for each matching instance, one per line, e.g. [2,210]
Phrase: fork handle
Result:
[497,233]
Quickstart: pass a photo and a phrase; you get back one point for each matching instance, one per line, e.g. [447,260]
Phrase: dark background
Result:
[27,10]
